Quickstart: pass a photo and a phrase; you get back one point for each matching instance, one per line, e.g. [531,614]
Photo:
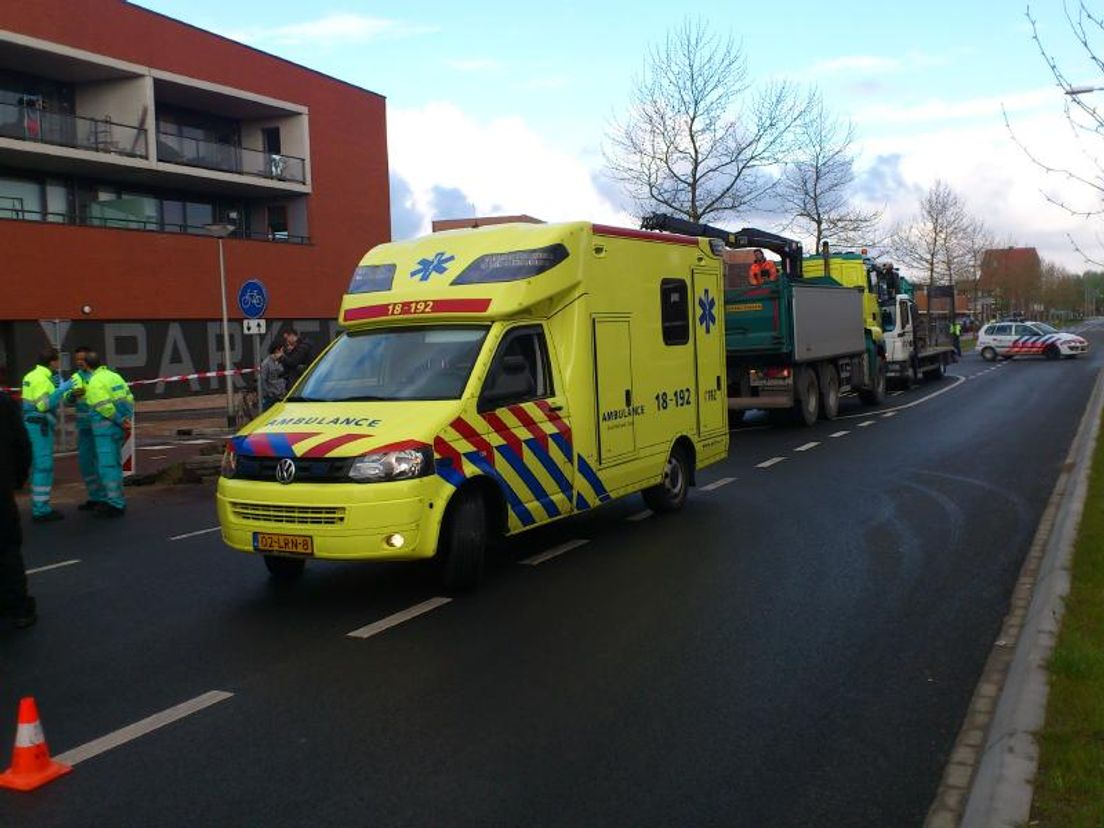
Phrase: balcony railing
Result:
[28,123]
[10,209]
[213,155]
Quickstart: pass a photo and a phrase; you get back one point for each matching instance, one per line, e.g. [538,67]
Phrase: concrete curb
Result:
[989,777]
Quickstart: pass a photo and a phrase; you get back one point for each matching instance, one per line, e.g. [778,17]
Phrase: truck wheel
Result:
[463,542]
[877,394]
[670,495]
[989,354]
[284,570]
[1052,352]
[807,392]
[829,392]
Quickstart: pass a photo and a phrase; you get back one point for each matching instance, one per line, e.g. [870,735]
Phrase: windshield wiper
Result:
[364,398]
[298,398]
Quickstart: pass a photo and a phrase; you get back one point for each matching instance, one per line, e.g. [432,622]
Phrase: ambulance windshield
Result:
[394,364]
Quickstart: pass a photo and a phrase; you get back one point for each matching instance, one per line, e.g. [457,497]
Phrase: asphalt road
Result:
[798,647]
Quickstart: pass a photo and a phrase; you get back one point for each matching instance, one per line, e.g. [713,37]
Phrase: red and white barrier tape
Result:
[175,378]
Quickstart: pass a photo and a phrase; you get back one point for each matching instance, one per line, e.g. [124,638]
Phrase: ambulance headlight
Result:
[229,461]
[404,464]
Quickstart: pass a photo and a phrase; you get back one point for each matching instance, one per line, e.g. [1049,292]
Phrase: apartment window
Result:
[674,311]
[20,199]
[277,222]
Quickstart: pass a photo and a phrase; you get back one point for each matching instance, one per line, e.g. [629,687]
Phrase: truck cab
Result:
[488,381]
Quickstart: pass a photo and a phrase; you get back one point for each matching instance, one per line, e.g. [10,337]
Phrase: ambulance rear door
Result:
[709,352]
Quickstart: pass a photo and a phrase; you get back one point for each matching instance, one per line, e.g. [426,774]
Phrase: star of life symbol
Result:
[708,315]
[427,267]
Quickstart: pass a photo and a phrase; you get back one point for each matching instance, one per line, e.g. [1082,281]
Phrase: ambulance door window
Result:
[521,371]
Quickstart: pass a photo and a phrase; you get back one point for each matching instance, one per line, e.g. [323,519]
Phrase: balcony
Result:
[212,155]
[27,123]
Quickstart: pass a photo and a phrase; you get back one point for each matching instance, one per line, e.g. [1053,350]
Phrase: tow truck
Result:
[792,344]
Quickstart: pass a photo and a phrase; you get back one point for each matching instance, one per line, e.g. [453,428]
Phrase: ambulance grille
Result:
[288,514]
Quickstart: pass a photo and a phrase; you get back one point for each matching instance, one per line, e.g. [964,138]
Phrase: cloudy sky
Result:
[502,107]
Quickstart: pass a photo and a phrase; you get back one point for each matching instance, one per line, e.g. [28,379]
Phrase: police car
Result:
[1012,339]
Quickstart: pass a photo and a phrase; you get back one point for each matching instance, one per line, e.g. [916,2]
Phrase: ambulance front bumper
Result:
[343,521]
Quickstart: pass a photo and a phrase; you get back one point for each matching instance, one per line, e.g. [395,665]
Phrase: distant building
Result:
[1011,280]
[480,221]
[122,133]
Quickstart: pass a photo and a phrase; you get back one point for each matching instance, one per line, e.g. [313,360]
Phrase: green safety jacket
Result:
[41,394]
[108,396]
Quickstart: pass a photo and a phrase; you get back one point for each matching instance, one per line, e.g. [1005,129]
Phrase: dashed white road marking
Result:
[889,414]
[839,434]
[807,446]
[866,423]
[555,552]
[194,534]
[716,484]
[53,566]
[397,618]
[896,393]
[200,442]
[639,516]
[147,725]
[766,464]
[154,448]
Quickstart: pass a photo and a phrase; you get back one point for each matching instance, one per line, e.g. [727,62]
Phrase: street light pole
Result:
[221,231]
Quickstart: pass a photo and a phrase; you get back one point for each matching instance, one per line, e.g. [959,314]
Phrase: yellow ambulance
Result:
[488,381]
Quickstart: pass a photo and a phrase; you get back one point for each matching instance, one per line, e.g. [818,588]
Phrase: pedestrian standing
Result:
[42,393]
[16,606]
[956,336]
[273,383]
[112,406]
[298,355]
[86,443]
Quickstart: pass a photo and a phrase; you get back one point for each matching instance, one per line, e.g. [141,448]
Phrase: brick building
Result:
[122,134]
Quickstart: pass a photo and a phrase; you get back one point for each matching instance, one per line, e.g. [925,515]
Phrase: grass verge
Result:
[1069,788]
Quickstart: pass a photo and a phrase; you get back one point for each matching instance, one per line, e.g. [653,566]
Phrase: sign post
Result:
[253,301]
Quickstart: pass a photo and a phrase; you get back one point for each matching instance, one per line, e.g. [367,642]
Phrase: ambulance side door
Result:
[523,415]
[709,350]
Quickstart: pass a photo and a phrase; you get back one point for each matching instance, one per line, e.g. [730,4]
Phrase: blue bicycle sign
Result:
[252,298]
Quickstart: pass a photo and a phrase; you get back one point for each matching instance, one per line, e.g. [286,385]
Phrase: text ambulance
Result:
[488,381]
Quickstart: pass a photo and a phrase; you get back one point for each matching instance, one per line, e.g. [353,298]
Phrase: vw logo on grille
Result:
[285,471]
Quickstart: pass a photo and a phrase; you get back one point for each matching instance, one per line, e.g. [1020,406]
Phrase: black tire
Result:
[877,394]
[670,494]
[807,393]
[829,392]
[989,354]
[1052,352]
[284,570]
[463,542]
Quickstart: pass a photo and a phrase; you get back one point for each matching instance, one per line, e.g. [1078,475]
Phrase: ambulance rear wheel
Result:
[807,407]
[670,495]
[284,570]
[463,541]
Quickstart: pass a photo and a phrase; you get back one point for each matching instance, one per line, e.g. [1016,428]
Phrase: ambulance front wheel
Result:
[463,543]
[670,494]
[284,569]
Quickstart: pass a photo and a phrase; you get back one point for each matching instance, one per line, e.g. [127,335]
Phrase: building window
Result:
[20,199]
[277,222]
[674,311]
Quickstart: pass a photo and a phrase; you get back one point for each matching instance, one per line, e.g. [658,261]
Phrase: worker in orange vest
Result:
[762,270]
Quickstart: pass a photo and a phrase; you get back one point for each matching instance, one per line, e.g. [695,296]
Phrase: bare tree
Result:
[1085,121]
[817,185]
[697,140]
[932,241]
[976,239]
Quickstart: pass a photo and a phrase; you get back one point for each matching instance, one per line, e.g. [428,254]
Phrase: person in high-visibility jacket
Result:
[86,443]
[762,270]
[112,405]
[42,393]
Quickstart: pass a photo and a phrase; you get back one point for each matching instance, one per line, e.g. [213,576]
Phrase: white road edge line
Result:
[147,725]
[866,423]
[914,403]
[194,534]
[839,434]
[647,513]
[556,551]
[716,484]
[397,618]
[52,566]
[766,464]
[807,446]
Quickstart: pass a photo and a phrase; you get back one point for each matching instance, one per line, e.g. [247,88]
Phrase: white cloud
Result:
[855,63]
[941,111]
[501,166]
[330,29]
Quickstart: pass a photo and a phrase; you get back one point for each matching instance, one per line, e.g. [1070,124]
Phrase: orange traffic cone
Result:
[31,763]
